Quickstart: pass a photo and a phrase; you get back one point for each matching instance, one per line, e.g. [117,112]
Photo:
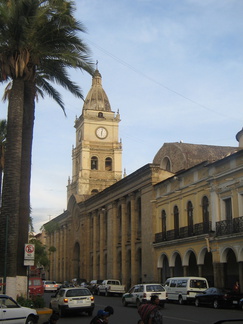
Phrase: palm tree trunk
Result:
[26,158]
[11,182]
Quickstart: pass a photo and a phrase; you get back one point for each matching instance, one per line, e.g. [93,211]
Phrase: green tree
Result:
[39,42]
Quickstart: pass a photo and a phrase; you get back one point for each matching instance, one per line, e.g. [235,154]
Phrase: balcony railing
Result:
[183,232]
[231,226]
[222,228]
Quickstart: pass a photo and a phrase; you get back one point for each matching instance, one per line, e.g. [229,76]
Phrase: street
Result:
[173,313]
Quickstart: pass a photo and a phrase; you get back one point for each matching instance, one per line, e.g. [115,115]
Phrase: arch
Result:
[94,191]
[94,163]
[166,164]
[224,253]
[173,258]
[163,266]
[108,164]
[100,115]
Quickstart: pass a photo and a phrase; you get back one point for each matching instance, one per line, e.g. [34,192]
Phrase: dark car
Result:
[216,297]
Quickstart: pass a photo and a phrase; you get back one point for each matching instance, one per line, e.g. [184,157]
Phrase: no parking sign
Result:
[29,252]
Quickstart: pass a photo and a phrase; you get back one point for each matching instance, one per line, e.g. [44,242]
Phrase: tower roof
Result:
[96,98]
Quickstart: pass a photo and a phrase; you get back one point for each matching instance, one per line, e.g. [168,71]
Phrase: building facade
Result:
[180,215]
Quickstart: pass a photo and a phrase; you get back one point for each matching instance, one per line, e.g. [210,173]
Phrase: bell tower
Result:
[98,153]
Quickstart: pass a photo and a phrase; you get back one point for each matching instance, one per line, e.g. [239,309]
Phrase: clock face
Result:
[101,132]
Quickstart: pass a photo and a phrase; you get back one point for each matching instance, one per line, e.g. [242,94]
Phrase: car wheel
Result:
[124,303]
[180,300]
[215,304]
[30,320]
[197,302]
[138,302]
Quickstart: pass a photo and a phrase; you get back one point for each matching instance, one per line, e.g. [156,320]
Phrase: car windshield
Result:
[34,282]
[78,292]
[155,288]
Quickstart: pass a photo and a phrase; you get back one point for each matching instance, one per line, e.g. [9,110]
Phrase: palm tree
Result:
[38,43]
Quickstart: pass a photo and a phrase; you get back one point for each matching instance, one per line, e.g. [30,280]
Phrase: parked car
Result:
[36,287]
[70,300]
[142,293]
[50,285]
[93,286]
[11,312]
[241,303]
[217,297]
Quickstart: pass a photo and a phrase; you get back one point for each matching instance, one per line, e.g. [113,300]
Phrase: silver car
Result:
[73,299]
[142,293]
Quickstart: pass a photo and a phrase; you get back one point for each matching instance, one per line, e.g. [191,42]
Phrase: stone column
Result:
[65,252]
[134,270]
[123,275]
[200,270]
[241,276]
[101,244]
[185,271]
[113,239]
[95,274]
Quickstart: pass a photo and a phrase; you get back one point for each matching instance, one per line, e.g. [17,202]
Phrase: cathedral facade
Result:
[182,214]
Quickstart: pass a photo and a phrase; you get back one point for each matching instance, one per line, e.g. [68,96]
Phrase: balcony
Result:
[224,227]
[183,232]
[231,226]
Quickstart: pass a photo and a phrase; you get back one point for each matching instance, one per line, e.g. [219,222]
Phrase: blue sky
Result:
[173,68]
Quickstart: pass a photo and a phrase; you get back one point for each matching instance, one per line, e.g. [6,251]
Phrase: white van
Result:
[183,289]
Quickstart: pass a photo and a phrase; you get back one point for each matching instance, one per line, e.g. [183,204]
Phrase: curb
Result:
[42,311]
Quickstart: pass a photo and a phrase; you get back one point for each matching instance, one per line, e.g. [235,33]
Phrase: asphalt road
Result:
[173,313]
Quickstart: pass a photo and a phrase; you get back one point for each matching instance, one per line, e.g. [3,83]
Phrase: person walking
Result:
[151,313]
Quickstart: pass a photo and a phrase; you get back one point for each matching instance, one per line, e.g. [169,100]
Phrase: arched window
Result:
[190,218]
[205,214]
[166,164]
[163,217]
[94,163]
[108,164]
[94,191]
[139,218]
[176,221]
[100,115]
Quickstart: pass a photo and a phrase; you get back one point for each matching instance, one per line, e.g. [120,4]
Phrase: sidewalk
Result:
[44,314]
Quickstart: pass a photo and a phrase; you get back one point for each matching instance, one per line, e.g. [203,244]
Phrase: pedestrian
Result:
[156,316]
[151,313]
[53,319]
[236,287]
[101,317]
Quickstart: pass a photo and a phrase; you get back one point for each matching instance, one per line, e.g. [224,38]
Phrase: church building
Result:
[182,214]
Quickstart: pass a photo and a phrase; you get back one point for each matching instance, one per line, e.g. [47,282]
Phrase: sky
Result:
[173,68]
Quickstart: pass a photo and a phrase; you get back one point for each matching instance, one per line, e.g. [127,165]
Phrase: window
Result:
[94,163]
[190,217]
[205,212]
[228,209]
[108,164]
[94,191]
[176,221]
[163,217]
[100,115]
[166,165]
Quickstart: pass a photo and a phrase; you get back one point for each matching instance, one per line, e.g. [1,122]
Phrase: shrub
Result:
[32,302]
